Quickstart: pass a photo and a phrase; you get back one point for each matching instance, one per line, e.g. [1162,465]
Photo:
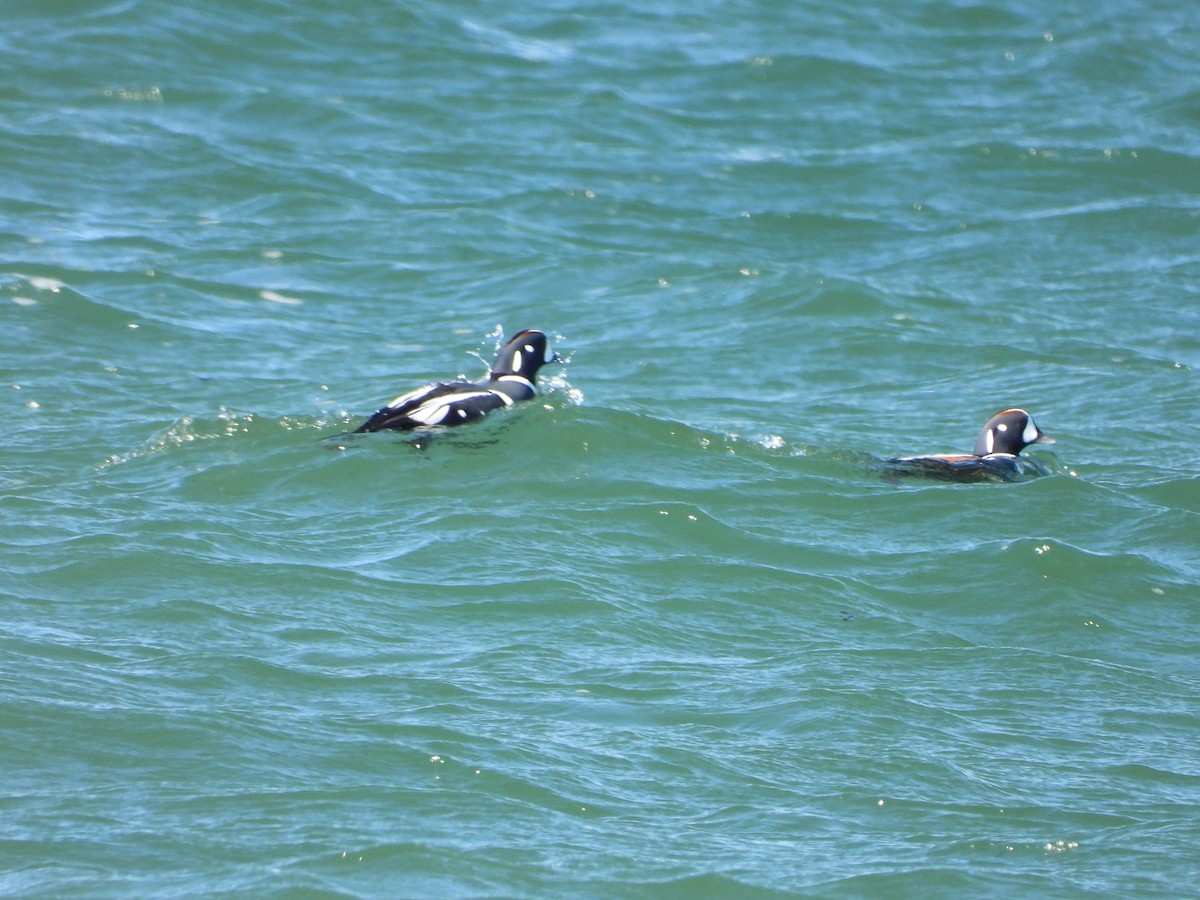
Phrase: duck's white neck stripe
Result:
[520,378]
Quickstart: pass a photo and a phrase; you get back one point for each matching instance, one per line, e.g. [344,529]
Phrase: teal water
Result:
[667,631]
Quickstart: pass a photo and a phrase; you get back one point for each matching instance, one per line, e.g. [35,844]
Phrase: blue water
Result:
[667,631]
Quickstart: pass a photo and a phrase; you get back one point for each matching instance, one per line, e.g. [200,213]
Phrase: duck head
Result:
[522,356]
[1009,431]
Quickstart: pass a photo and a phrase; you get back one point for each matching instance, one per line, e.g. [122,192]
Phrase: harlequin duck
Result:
[996,456]
[445,403]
